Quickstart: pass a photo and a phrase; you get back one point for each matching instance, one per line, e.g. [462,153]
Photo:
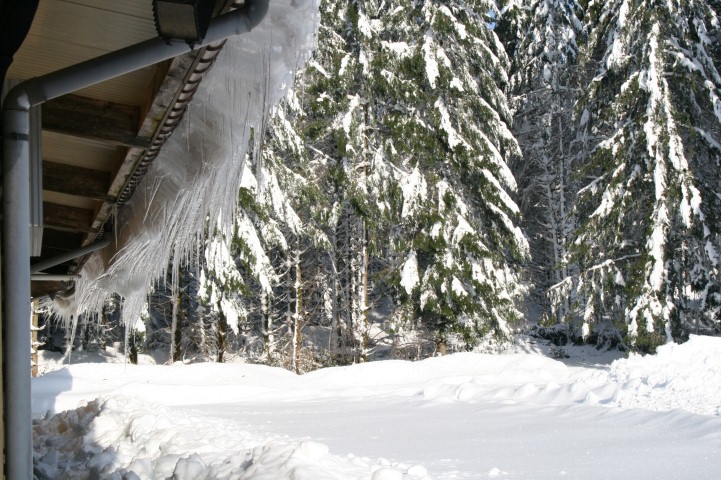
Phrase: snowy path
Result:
[465,416]
[472,441]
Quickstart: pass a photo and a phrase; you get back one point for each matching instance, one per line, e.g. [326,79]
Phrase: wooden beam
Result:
[96,119]
[40,289]
[56,242]
[65,218]
[83,182]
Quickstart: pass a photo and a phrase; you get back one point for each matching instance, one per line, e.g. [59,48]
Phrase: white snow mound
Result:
[686,376]
[124,438]
[430,418]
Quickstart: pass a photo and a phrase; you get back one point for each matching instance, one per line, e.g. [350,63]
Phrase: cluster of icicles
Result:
[197,175]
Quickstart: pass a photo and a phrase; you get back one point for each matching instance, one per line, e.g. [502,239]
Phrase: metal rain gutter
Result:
[16,205]
[173,116]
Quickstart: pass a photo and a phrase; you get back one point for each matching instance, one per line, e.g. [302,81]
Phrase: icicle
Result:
[198,172]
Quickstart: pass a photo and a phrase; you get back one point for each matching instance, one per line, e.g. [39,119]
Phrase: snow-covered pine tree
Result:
[541,36]
[288,187]
[440,78]
[391,155]
[220,293]
[238,273]
[649,211]
[336,124]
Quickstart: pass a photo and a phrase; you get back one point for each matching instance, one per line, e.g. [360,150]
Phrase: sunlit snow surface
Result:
[197,175]
[464,416]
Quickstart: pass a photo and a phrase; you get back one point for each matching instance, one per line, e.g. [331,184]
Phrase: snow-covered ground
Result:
[518,415]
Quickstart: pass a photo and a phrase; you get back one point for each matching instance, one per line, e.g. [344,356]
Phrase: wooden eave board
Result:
[81,152]
[66,33]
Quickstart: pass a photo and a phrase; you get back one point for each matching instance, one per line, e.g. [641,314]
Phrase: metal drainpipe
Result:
[47,277]
[65,257]
[16,208]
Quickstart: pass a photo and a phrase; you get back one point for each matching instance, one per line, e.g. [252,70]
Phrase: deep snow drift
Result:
[515,415]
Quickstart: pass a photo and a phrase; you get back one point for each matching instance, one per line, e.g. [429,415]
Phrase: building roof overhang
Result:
[98,142]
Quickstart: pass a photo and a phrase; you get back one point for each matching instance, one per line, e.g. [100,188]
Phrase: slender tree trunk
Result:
[221,335]
[345,321]
[289,307]
[298,315]
[441,346]
[335,332]
[176,327]
[354,289]
[130,344]
[364,323]
[565,221]
[365,328]
[132,347]
[104,326]
[267,326]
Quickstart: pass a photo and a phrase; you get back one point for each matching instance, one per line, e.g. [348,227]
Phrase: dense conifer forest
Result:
[445,174]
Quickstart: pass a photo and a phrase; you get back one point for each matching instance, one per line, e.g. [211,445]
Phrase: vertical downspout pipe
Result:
[16,205]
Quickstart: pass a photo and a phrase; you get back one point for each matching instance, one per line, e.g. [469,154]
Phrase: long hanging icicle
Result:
[198,173]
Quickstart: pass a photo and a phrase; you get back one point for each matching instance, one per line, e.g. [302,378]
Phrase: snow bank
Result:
[465,415]
[686,376]
[125,438]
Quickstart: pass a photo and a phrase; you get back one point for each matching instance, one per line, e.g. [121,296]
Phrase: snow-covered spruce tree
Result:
[541,36]
[220,283]
[649,211]
[237,271]
[257,270]
[336,123]
[260,262]
[438,107]
[388,163]
[295,207]
[251,281]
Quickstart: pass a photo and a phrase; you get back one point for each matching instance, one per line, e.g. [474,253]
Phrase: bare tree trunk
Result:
[335,331]
[221,335]
[267,326]
[132,347]
[365,324]
[176,324]
[354,289]
[349,289]
[441,346]
[298,315]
